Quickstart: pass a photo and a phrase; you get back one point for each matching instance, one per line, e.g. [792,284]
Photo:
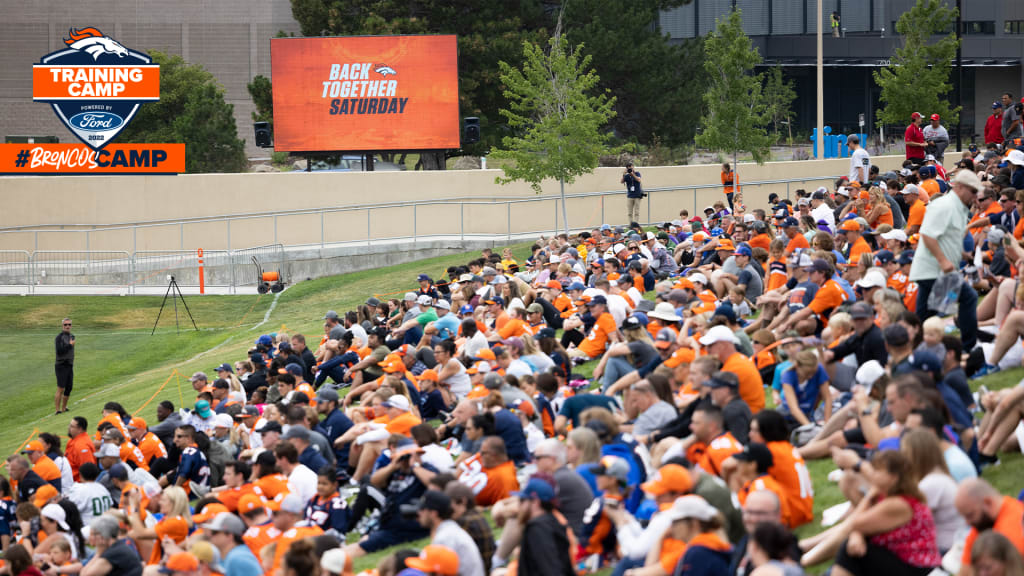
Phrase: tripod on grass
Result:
[173,285]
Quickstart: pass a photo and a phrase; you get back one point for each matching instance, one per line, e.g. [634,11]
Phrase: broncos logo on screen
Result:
[94,42]
[384,70]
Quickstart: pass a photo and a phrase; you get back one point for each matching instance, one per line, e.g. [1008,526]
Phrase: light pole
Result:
[819,147]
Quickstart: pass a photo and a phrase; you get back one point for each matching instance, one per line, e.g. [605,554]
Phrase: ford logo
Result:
[96,121]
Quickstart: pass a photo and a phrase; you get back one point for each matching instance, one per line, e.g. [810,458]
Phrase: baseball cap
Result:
[137,423]
[997,104]
[926,362]
[896,335]
[906,257]
[43,495]
[499,279]
[180,562]
[869,373]
[873,279]
[297,433]
[861,310]
[496,300]
[680,356]
[272,426]
[665,338]
[916,115]
[894,234]
[757,453]
[536,488]
[843,191]
[727,311]
[437,501]
[742,250]
[481,367]
[331,315]
[257,359]
[209,511]
[722,381]
[599,299]
[718,334]
[613,466]
[198,376]
[435,560]
[290,503]
[107,450]
[790,222]
[850,226]
[221,383]
[535,308]
[203,409]
[801,260]
[486,354]
[335,561]
[397,401]
[968,178]
[372,302]
[119,471]
[669,478]
[34,446]
[935,117]
[691,506]
[576,286]
[630,323]
[423,278]
[546,332]
[248,412]
[725,244]
[698,277]
[821,265]
[249,502]
[327,395]
[225,367]
[223,421]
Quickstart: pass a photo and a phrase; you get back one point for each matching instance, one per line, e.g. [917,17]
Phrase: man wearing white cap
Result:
[917,208]
[941,248]
[721,342]
[335,562]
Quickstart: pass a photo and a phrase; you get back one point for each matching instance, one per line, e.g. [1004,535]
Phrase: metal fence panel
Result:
[81,268]
[245,270]
[16,268]
[155,267]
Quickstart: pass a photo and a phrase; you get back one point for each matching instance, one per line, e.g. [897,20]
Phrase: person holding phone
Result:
[634,193]
[64,366]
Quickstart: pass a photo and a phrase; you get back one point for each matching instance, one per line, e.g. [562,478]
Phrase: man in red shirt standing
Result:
[914,139]
[994,125]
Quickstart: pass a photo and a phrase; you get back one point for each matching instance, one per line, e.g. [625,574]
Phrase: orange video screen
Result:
[365,93]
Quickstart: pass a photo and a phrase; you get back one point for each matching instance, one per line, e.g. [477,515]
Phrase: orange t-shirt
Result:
[501,320]
[910,297]
[728,181]
[671,551]
[930,187]
[884,217]
[175,528]
[761,241]
[751,386]
[1018,232]
[284,541]
[273,485]
[766,482]
[898,281]
[710,457]
[46,469]
[993,208]
[403,424]
[230,497]
[79,451]
[790,471]
[777,276]
[859,248]
[115,421]
[489,484]
[596,342]
[1008,523]
[131,453]
[152,447]
[513,328]
[256,537]
[796,243]
[916,215]
[828,298]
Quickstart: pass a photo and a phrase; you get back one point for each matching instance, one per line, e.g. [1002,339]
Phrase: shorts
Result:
[385,538]
[65,377]
[854,436]
[878,560]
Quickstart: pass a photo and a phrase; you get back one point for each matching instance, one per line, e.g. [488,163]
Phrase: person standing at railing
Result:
[730,185]
[64,366]
[634,193]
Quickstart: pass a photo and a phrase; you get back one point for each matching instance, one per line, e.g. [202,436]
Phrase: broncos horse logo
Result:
[384,70]
[94,42]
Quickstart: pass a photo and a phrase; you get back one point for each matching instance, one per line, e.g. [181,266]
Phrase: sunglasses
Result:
[68,324]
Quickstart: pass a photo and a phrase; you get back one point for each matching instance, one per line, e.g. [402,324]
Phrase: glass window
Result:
[1013,27]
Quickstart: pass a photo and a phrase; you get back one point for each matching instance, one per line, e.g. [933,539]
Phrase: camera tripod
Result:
[173,285]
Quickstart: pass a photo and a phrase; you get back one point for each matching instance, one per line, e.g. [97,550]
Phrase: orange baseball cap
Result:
[685,283]
[725,244]
[34,446]
[435,560]
[44,494]
[670,478]
[850,226]
[554,284]
[392,363]
[429,374]
[250,502]
[524,406]
[680,356]
[180,562]
[486,354]
[137,423]
[854,184]
[208,512]
[403,350]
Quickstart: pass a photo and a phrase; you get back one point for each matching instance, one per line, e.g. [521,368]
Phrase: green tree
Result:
[262,95]
[192,111]
[779,95]
[558,121]
[640,67]
[917,78]
[734,120]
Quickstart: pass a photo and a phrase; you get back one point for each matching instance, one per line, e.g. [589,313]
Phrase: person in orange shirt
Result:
[760,238]
[788,467]
[42,464]
[288,514]
[236,484]
[604,332]
[797,241]
[985,508]
[721,343]
[270,483]
[911,196]
[829,296]
[987,205]
[175,524]
[730,184]
[854,239]
[710,445]
[113,414]
[489,473]
[399,418]
[79,449]
[150,445]
[777,272]
[752,475]
[260,530]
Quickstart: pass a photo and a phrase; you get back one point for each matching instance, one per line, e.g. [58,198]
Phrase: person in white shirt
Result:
[301,480]
[433,453]
[860,162]
[90,497]
[821,211]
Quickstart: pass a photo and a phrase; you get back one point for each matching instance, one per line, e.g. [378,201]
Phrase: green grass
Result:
[117,359]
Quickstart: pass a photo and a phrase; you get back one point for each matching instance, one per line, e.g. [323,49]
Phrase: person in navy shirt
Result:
[334,425]
[432,401]
[192,466]
[803,386]
[328,510]
[299,437]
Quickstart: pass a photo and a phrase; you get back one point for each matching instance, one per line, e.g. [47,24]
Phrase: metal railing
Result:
[126,273]
[497,218]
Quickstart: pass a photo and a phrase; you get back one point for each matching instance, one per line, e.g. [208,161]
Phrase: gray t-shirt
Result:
[643,353]
[574,495]
[1009,115]
[452,535]
[652,419]
[749,277]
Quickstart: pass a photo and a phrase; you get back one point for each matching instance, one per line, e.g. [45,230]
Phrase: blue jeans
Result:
[967,315]
[616,367]
[335,369]
[626,564]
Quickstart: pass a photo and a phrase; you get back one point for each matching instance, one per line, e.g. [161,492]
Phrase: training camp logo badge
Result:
[95,85]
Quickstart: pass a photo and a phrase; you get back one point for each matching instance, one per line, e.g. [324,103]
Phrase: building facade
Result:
[784,31]
[230,38]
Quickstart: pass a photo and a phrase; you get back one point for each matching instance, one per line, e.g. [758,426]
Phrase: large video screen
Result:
[365,93]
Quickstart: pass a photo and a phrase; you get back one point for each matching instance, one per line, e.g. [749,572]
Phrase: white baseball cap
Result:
[873,279]
[869,373]
[56,513]
[691,506]
[718,334]
[895,234]
[698,277]
[1015,157]
[335,561]
[749,218]
[223,421]
[108,450]
[911,189]
[424,300]
[397,401]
